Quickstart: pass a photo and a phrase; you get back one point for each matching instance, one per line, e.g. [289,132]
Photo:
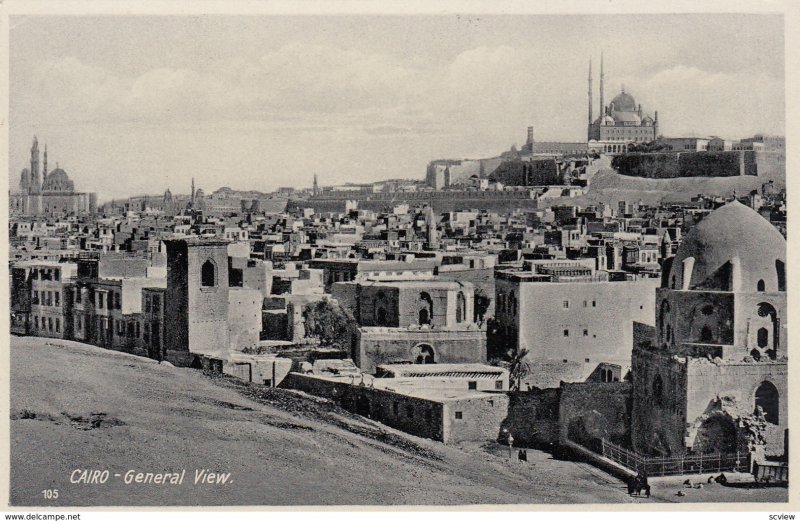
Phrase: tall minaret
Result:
[315,189]
[44,167]
[602,85]
[193,191]
[36,180]
[590,92]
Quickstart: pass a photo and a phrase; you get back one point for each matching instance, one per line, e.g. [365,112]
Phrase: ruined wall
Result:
[669,165]
[659,410]
[591,411]
[533,417]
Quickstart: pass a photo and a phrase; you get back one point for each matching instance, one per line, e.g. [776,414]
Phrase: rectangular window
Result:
[36,322]
[137,330]
[268,383]
[459,415]
[57,274]
[49,323]
[57,295]
[586,360]
[109,300]
[594,303]
[58,325]
[36,297]
[100,300]
[585,332]
[472,386]
[147,304]
[78,295]
[146,332]
[566,332]
[565,304]
[156,304]
[117,301]
[498,385]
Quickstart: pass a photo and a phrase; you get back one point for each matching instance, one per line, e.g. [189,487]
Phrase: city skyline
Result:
[262,102]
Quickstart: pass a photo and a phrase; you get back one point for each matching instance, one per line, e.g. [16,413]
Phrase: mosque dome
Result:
[624,102]
[732,249]
[626,117]
[647,121]
[57,181]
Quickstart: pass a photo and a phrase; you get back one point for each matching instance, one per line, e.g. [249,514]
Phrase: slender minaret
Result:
[36,180]
[590,92]
[44,168]
[602,86]
[193,191]
[315,189]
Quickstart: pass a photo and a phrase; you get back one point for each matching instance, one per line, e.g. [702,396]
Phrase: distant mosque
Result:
[48,194]
[620,123]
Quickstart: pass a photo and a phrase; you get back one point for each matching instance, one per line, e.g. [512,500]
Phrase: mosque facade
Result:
[48,194]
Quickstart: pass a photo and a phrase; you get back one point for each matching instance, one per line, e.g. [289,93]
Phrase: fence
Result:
[664,466]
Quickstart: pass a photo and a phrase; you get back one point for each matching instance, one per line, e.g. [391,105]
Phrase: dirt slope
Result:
[79,407]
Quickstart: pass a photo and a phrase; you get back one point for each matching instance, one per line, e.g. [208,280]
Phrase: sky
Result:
[138,104]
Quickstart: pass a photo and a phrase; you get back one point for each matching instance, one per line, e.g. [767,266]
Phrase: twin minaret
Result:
[602,89]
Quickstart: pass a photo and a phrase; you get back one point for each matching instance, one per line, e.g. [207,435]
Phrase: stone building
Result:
[43,193]
[714,377]
[413,322]
[569,318]
[210,313]
[620,122]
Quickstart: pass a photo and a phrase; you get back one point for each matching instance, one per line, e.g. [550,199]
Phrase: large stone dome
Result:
[624,102]
[57,181]
[732,249]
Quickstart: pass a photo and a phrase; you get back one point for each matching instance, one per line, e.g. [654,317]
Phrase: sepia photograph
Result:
[450,259]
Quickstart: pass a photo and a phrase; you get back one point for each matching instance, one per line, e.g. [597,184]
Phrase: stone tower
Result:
[36,180]
[197,297]
[713,379]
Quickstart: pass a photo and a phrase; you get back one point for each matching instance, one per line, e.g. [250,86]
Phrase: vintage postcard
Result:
[454,258]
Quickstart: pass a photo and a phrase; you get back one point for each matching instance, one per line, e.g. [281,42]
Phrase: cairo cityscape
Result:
[452,260]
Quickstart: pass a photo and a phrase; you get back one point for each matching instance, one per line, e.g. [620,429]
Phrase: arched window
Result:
[763,337]
[767,398]
[461,307]
[760,285]
[658,390]
[780,269]
[706,335]
[208,274]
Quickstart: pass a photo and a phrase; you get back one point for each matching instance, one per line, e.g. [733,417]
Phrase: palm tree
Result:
[518,369]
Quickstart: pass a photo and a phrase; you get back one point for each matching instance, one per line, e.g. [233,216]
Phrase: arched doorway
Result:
[461,307]
[424,354]
[768,400]
[425,313]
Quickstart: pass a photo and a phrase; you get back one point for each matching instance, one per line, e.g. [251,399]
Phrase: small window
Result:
[472,386]
[459,415]
[594,303]
[58,325]
[585,332]
[268,382]
[760,286]
[566,332]
[498,385]
[586,360]
[208,274]
[565,360]
[565,304]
